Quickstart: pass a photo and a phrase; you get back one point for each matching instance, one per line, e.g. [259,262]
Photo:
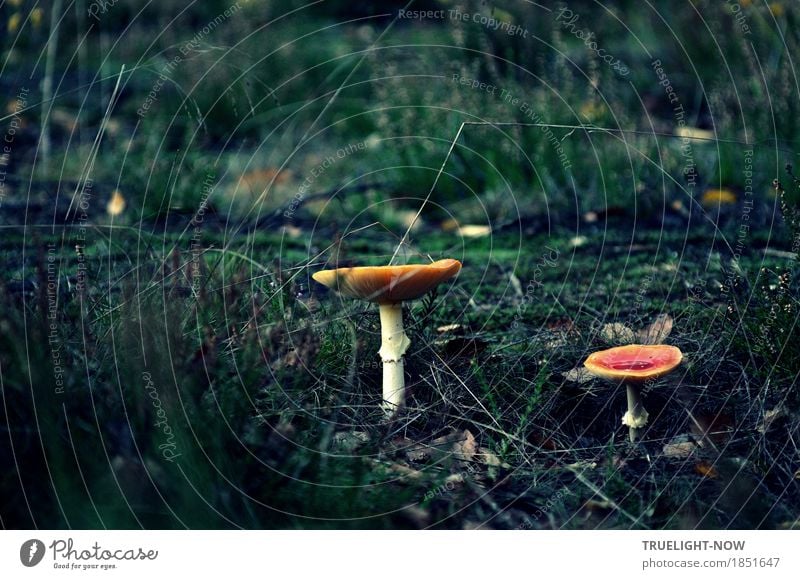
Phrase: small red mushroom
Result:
[633,365]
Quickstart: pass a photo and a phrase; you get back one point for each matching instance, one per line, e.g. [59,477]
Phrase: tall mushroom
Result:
[634,365]
[389,286]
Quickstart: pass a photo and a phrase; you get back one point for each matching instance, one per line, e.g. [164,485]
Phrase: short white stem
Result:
[394,344]
[636,416]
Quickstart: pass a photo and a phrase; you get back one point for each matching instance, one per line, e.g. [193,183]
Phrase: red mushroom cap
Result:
[635,363]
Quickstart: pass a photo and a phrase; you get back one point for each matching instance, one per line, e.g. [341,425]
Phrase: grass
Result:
[271,389]
[200,378]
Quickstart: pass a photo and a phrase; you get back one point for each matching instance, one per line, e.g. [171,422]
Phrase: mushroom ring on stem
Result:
[389,286]
[634,365]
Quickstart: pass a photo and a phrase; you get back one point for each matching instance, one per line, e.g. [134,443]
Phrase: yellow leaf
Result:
[13,22]
[36,17]
[714,197]
[116,205]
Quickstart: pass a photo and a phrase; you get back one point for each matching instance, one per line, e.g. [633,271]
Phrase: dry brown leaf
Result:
[465,448]
[656,332]
[617,333]
[706,469]
[679,447]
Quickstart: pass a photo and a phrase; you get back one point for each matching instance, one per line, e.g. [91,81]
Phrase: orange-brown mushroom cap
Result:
[388,284]
[635,363]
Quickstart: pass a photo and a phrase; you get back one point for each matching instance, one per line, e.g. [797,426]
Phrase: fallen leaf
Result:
[260,179]
[454,479]
[580,375]
[488,458]
[465,448]
[350,441]
[292,231]
[714,197]
[452,225]
[578,241]
[706,469]
[679,447]
[414,452]
[116,204]
[694,133]
[473,231]
[770,416]
[13,22]
[36,17]
[656,332]
[617,333]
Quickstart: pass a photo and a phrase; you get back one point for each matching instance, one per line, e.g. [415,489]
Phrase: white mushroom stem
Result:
[636,416]
[394,344]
